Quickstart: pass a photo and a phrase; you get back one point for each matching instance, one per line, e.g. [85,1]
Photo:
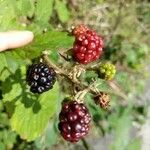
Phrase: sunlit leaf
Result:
[30,117]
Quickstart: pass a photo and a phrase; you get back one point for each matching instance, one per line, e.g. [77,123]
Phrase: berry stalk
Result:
[63,72]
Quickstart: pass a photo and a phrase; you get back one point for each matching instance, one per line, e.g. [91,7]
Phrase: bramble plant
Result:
[65,85]
[74,116]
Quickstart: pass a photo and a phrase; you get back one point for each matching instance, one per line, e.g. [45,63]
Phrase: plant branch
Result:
[62,72]
[80,84]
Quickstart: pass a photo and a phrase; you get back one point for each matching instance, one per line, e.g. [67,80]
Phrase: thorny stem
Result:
[82,85]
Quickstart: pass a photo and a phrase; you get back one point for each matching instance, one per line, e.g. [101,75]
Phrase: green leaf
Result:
[134,145]
[30,116]
[43,11]
[62,10]
[51,41]
[8,65]
[10,95]
[8,62]
[29,113]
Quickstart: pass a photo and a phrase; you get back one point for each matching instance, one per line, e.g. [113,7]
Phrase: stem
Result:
[80,84]
[80,95]
[59,71]
[85,144]
[117,90]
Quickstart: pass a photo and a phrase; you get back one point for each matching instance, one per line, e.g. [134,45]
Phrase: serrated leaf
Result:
[62,10]
[30,116]
[43,10]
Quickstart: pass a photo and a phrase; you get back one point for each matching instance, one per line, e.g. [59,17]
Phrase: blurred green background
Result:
[125,26]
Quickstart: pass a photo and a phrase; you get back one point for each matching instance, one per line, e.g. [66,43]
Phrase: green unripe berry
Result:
[107,71]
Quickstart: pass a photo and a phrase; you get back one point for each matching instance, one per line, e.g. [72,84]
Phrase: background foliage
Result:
[29,121]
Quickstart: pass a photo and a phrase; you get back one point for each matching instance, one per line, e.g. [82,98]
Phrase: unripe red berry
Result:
[87,46]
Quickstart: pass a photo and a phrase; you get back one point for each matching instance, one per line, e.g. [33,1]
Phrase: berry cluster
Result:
[107,71]
[87,46]
[74,118]
[74,121]
[40,77]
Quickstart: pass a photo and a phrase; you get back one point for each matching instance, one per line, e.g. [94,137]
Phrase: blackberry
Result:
[87,47]
[40,77]
[74,121]
[107,71]
[103,100]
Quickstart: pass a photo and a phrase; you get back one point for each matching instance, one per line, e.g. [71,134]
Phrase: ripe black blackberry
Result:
[40,77]
[74,121]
